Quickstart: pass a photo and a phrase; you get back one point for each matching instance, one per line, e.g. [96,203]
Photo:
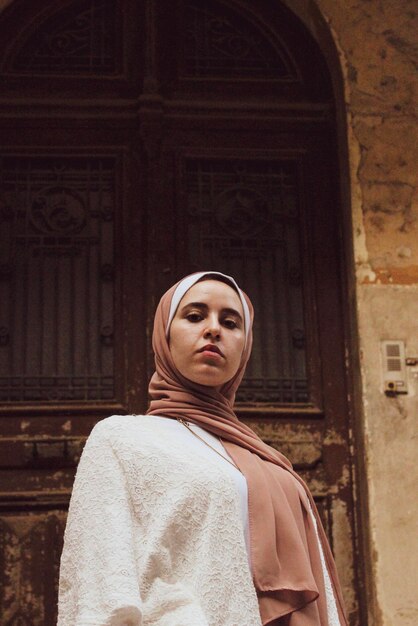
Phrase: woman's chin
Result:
[208,378]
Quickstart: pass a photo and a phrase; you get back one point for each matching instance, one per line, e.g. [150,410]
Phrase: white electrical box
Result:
[394,367]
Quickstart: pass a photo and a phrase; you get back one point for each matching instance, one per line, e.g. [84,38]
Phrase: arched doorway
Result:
[142,141]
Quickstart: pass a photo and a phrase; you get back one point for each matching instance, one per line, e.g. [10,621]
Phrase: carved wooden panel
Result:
[56,280]
[80,38]
[221,42]
[30,550]
[243,218]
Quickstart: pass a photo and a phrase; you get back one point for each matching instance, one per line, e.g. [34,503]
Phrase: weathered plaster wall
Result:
[378,50]
[391,442]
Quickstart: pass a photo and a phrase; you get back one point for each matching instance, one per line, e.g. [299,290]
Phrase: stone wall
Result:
[378,49]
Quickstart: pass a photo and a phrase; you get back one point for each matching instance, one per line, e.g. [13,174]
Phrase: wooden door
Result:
[142,141]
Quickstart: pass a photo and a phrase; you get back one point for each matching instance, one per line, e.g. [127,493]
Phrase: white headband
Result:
[189,281]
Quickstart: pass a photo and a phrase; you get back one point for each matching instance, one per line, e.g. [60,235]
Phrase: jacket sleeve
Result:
[98,577]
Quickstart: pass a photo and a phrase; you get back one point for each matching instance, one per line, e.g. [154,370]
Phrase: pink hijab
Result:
[286,564]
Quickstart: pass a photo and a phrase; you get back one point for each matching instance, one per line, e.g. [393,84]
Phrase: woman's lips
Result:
[211,354]
[211,351]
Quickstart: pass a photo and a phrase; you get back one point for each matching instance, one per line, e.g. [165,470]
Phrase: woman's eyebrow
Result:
[196,305]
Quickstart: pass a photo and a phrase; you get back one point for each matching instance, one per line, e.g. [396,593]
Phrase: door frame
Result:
[312,18]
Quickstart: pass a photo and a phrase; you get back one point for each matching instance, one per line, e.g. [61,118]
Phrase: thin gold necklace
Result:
[232,462]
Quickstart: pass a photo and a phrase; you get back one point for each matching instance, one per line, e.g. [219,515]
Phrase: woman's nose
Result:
[213,328]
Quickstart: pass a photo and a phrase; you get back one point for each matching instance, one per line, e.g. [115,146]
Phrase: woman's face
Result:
[207,334]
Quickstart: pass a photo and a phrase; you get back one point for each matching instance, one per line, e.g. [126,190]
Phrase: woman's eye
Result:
[230,323]
[194,317]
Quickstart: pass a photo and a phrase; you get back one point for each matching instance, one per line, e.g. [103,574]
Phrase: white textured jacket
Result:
[155,534]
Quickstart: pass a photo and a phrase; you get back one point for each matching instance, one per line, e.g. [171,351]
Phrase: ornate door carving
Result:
[58,232]
[142,141]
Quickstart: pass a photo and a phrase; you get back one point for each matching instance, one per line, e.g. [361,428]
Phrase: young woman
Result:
[184,517]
